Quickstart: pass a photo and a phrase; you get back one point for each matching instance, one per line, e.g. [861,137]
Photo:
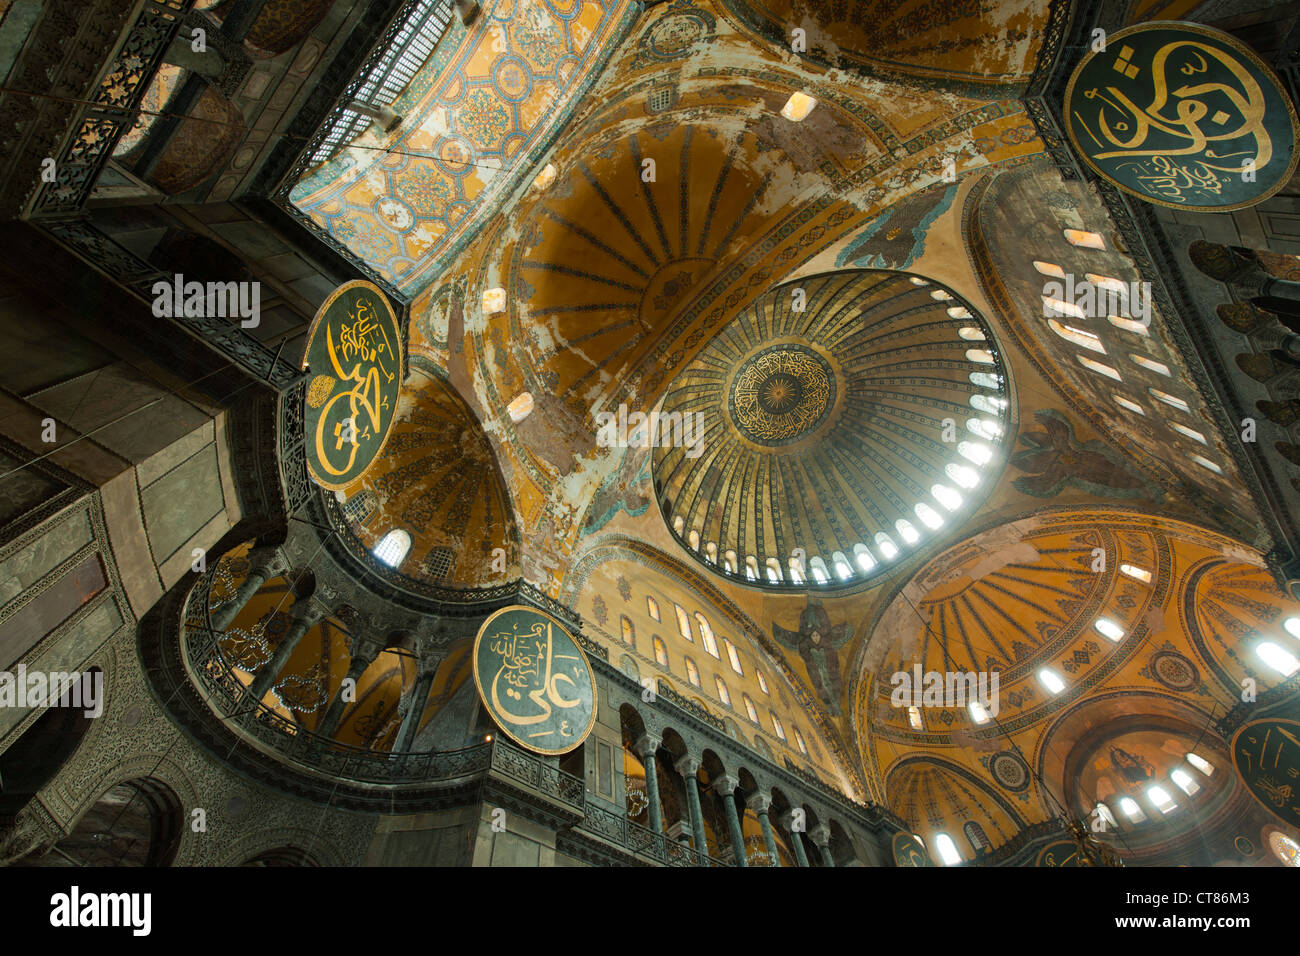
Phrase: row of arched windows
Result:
[1073,331]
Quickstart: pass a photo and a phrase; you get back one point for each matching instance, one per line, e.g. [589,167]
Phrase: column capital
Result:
[725,785]
[266,559]
[688,765]
[646,745]
[758,801]
[308,612]
[820,835]
[786,819]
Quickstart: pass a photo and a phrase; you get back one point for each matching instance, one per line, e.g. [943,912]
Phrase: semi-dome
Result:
[838,422]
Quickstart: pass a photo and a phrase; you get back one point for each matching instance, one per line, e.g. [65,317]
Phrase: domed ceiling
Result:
[840,420]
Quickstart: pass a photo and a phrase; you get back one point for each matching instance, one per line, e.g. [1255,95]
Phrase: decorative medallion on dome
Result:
[843,419]
[782,394]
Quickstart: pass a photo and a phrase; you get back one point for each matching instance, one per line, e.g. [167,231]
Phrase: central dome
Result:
[840,420]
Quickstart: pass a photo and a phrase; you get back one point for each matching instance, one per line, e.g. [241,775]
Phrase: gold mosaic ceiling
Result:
[835,423]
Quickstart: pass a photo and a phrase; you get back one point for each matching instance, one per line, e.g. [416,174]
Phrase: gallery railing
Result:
[228,696]
[641,841]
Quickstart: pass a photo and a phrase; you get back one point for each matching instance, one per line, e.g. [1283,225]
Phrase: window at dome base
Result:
[393,548]
[832,444]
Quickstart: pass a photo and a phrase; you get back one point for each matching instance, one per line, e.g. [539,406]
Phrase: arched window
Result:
[1171,400]
[976,452]
[1129,325]
[1078,336]
[841,565]
[947,850]
[906,530]
[694,539]
[521,407]
[393,548]
[1049,269]
[885,543]
[1101,368]
[863,557]
[1191,433]
[629,632]
[818,568]
[796,570]
[1150,364]
[774,570]
[762,682]
[976,837]
[692,672]
[1085,240]
[980,356]
[969,333]
[776,724]
[711,552]
[683,623]
[729,562]
[985,380]
[706,634]
[679,523]
[661,651]
[652,607]
[751,568]
[963,476]
[1284,848]
[724,695]
[733,657]
[750,709]
[798,739]
[1131,405]
[988,403]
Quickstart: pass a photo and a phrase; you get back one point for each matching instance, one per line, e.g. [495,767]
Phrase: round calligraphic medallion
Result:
[908,851]
[1061,853]
[1266,754]
[534,680]
[354,352]
[1184,116]
[782,394]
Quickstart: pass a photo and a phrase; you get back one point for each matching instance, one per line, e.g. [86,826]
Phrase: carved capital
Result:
[759,802]
[646,745]
[820,835]
[688,765]
[725,785]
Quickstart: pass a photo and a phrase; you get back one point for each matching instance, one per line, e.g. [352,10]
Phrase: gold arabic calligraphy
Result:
[363,342]
[1190,131]
[529,670]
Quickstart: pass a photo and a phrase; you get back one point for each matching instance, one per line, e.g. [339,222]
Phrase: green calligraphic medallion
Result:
[1184,116]
[534,680]
[1266,754]
[1062,853]
[354,351]
[908,851]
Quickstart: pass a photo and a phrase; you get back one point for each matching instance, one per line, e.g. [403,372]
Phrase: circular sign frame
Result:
[1270,789]
[370,391]
[547,683]
[1124,69]
[907,847]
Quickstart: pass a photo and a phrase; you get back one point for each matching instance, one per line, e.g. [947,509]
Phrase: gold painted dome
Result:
[839,421]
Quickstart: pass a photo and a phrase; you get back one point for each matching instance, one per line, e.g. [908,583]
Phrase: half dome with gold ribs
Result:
[836,423]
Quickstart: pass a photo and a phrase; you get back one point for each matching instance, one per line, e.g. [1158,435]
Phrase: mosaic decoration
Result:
[782,394]
[909,851]
[896,238]
[534,680]
[1010,771]
[1174,671]
[1266,754]
[818,642]
[354,351]
[1055,459]
[482,111]
[1183,116]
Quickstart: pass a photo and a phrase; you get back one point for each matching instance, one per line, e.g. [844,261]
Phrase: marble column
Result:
[262,568]
[761,804]
[724,786]
[364,652]
[645,748]
[688,766]
[821,837]
[430,660]
[796,840]
[305,616]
